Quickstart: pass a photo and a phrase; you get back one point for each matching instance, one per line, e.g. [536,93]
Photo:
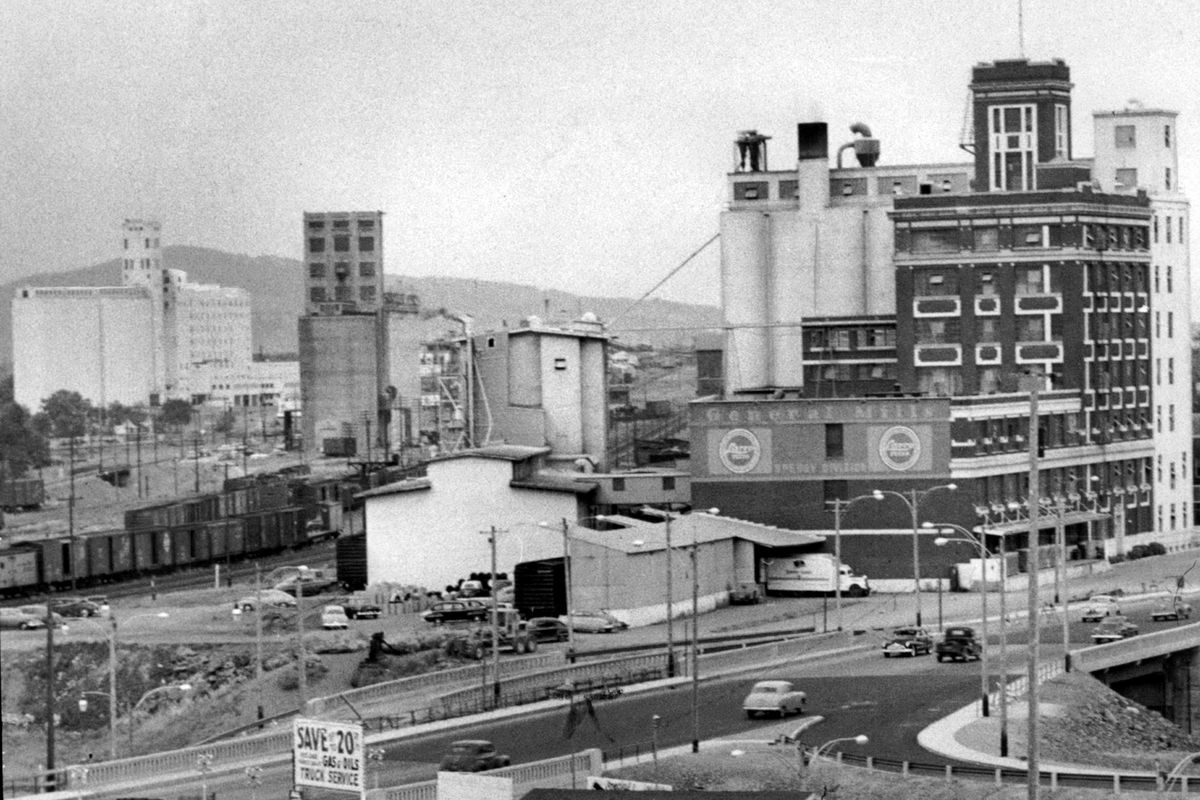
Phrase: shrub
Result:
[1156,549]
[1116,558]
[1138,551]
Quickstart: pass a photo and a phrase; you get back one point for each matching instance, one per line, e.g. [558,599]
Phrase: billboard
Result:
[328,755]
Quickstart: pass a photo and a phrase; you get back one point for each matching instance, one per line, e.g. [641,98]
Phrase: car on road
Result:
[472,755]
[746,594]
[1113,628]
[310,582]
[1174,607]
[594,622]
[16,619]
[547,629]
[1099,606]
[333,617]
[908,642]
[959,644]
[466,610]
[101,601]
[56,620]
[76,607]
[271,598]
[774,698]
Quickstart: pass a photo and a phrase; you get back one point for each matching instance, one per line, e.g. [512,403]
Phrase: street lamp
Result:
[913,499]
[111,636]
[840,507]
[861,739]
[183,687]
[977,540]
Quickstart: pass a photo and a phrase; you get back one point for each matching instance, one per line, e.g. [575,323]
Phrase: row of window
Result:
[341,294]
[1125,136]
[850,338]
[1095,236]
[1118,373]
[1127,178]
[1169,223]
[341,244]
[816,373]
[1105,325]
[147,243]
[947,281]
[949,330]
[341,224]
[366,269]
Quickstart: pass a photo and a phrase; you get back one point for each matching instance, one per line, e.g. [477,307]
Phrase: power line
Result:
[670,275]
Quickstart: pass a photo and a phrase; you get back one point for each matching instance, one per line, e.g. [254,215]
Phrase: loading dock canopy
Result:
[623,532]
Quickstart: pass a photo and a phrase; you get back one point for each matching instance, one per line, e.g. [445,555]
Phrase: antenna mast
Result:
[1021,25]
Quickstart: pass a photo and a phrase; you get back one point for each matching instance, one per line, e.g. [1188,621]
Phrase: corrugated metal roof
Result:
[556,482]
[504,452]
[398,487]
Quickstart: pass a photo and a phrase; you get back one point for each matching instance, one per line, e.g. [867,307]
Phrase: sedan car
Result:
[1100,606]
[594,622]
[1171,608]
[472,755]
[334,617]
[76,607]
[776,698]
[547,629]
[15,618]
[908,642]
[271,598]
[468,610]
[56,620]
[1113,628]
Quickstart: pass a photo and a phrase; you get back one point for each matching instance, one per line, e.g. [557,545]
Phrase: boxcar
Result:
[20,569]
[120,550]
[99,555]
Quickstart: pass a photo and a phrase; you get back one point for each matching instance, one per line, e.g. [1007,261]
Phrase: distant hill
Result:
[277,288]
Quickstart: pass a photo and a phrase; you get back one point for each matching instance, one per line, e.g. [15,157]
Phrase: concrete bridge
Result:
[1160,670]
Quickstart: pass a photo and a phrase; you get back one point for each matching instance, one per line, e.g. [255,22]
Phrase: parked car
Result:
[16,619]
[472,755]
[777,698]
[746,594]
[467,610]
[101,601]
[75,607]
[471,589]
[909,642]
[1100,606]
[594,622]
[360,607]
[333,617]
[1174,607]
[959,644]
[56,620]
[547,629]
[271,598]
[309,582]
[1113,628]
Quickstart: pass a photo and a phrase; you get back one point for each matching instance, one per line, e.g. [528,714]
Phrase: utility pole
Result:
[495,625]
[670,603]
[139,459]
[196,460]
[70,515]
[695,666]
[1032,777]
[258,612]
[566,529]
[303,653]
[51,777]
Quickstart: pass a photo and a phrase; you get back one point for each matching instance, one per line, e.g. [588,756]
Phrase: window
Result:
[989,329]
[316,224]
[1029,280]
[987,238]
[934,283]
[1127,178]
[1167,228]
[1061,126]
[366,269]
[316,294]
[1170,280]
[366,244]
[1170,324]
[341,223]
[126,244]
[1157,275]
[1167,178]
[1028,236]
[366,224]
[935,240]
[1013,148]
[1171,371]
[937,331]
[618,484]
[341,244]
[316,270]
[343,294]
[1031,329]
[1125,136]
[1155,221]
[366,294]
[989,380]
[987,283]
[1171,418]
[316,244]
[834,446]
[668,483]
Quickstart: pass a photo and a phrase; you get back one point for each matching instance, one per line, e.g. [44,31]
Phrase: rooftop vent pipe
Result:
[866,149]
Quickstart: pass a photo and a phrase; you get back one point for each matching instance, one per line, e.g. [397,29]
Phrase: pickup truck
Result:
[959,644]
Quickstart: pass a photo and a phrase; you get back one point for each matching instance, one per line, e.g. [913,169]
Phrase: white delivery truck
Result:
[812,572]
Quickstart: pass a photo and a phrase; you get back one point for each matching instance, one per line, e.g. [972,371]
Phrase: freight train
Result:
[250,517]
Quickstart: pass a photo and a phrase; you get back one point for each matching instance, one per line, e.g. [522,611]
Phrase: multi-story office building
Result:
[962,286]
[343,252]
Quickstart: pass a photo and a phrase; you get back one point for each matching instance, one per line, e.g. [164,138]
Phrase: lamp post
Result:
[111,636]
[183,687]
[1033,384]
[566,537]
[971,538]
[913,499]
[861,739]
[839,508]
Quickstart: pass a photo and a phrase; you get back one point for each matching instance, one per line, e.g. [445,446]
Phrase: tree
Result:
[68,413]
[21,445]
[225,422]
[176,413]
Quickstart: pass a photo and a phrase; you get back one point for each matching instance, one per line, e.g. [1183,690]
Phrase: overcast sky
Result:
[572,145]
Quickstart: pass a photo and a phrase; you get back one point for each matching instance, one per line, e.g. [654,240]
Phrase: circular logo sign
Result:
[739,450]
[899,448]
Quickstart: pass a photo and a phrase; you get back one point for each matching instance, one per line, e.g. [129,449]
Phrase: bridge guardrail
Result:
[1123,650]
